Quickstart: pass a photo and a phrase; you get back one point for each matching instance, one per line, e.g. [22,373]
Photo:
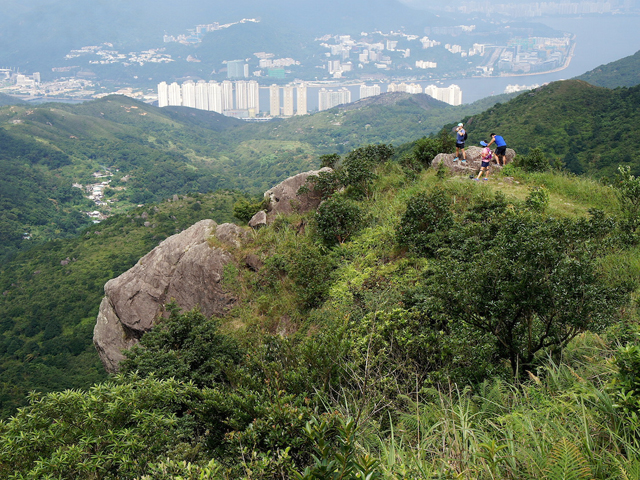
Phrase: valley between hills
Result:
[412,324]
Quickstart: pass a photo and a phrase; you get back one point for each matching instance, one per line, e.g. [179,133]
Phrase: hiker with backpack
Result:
[461,136]
[501,148]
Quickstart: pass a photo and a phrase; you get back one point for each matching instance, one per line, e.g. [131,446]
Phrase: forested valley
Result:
[417,325]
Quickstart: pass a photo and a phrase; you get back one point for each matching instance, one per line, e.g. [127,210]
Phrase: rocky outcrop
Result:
[283,199]
[258,220]
[184,268]
[473,160]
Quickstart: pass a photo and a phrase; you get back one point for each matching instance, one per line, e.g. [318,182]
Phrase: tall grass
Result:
[562,424]
[585,192]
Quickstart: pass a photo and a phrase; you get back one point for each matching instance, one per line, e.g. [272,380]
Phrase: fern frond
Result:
[566,462]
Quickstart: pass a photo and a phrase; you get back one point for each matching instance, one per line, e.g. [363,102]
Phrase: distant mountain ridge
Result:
[621,73]
[9,100]
[591,129]
[36,35]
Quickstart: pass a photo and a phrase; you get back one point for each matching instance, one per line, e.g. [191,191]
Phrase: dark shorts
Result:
[501,150]
[485,163]
[460,145]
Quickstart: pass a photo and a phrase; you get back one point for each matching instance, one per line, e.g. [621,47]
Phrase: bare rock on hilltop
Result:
[473,160]
[283,199]
[184,268]
[258,220]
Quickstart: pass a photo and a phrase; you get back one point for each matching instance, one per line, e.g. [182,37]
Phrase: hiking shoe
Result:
[476,179]
[455,159]
[464,161]
[485,179]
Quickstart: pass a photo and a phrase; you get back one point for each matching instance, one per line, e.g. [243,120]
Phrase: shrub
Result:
[244,210]
[330,160]
[310,270]
[538,199]
[534,161]
[186,346]
[337,219]
[628,192]
[425,222]
[625,387]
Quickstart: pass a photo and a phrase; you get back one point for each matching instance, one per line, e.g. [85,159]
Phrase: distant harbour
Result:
[598,40]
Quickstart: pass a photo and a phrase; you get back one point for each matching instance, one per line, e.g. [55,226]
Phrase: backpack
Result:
[464,137]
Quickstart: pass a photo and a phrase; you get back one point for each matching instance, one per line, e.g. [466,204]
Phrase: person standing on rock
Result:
[501,148]
[461,136]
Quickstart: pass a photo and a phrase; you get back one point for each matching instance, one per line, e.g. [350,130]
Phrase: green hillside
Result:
[155,153]
[8,100]
[621,73]
[50,294]
[590,129]
[419,325]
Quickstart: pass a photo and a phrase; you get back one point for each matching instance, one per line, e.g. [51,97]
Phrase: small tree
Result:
[359,167]
[425,222]
[533,286]
[330,160]
[534,161]
[337,219]
[628,192]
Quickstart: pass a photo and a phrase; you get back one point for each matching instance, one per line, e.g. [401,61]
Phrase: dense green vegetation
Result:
[460,330]
[156,153]
[51,293]
[589,129]
[8,100]
[621,73]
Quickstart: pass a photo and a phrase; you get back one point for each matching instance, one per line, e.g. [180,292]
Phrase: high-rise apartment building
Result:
[215,96]
[175,94]
[163,94]
[227,95]
[189,94]
[369,91]
[329,98]
[242,95]
[253,94]
[202,95]
[301,100]
[451,94]
[237,69]
[274,100]
[287,110]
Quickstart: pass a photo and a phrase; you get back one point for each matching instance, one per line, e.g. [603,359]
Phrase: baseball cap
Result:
[460,125]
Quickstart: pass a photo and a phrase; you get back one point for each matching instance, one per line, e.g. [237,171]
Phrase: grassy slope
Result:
[178,150]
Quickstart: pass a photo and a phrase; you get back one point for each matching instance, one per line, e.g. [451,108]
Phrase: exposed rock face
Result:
[184,268]
[284,198]
[473,160]
[258,220]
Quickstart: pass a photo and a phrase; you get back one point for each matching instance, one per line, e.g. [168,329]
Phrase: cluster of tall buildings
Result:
[286,107]
[238,99]
[332,98]
[241,98]
[451,94]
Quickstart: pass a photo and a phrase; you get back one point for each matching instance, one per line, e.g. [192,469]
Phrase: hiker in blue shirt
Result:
[501,148]
[461,136]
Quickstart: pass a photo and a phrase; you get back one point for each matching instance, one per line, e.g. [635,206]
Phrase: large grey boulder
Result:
[283,199]
[184,268]
[258,220]
[474,160]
